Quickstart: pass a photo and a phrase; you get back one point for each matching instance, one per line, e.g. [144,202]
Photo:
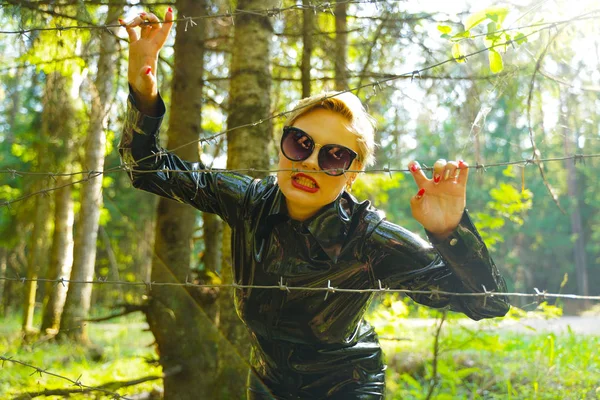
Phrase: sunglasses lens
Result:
[296,145]
[335,159]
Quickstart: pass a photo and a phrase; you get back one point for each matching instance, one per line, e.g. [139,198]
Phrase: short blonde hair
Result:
[350,107]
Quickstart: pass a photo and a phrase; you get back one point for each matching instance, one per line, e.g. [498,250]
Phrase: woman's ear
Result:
[350,180]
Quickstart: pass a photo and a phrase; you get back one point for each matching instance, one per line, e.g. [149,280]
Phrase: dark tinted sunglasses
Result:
[297,145]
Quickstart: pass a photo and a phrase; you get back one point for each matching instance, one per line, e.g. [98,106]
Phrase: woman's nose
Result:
[312,162]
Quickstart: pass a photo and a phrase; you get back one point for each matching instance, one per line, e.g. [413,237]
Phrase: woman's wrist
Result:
[146,104]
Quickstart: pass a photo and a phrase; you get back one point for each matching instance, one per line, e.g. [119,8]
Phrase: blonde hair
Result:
[350,107]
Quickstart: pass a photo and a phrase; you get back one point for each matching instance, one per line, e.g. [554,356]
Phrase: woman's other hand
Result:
[440,201]
[144,47]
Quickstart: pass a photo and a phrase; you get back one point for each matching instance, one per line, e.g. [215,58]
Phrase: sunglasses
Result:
[297,145]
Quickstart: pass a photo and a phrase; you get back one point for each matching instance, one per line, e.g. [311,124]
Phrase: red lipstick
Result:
[305,182]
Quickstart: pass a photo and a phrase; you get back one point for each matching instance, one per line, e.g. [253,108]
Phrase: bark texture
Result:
[55,92]
[79,296]
[307,46]
[341,45]
[61,257]
[249,101]
[61,253]
[186,336]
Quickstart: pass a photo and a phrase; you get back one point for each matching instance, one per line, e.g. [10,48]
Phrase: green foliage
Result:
[124,345]
[495,39]
[507,204]
[376,187]
[489,359]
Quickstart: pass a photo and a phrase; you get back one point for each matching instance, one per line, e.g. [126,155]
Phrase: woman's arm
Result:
[155,170]
[458,263]
[150,167]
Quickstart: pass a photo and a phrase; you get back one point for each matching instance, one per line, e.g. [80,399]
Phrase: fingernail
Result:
[414,167]
[121,21]
[169,10]
[437,178]
[148,71]
[461,164]
[420,193]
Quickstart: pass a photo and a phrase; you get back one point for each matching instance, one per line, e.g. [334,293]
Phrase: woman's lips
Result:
[305,182]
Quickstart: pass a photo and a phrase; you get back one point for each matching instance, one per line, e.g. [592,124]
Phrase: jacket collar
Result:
[329,226]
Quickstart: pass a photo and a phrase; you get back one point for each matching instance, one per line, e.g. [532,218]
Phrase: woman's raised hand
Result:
[143,53]
[440,201]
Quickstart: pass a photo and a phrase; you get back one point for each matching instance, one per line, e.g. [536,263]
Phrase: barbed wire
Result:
[374,85]
[326,7]
[578,158]
[76,382]
[540,295]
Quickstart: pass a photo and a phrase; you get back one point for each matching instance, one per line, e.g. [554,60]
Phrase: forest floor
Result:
[557,358]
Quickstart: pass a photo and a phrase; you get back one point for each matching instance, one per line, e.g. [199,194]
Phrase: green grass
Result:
[125,348]
[489,364]
[474,363]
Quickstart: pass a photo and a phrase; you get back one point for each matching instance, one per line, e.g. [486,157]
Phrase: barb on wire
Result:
[76,382]
[127,168]
[375,83]
[269,12]
[328,289]
[371,84]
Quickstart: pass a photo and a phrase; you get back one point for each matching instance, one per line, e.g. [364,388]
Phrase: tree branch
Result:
[127,309]
[536,153]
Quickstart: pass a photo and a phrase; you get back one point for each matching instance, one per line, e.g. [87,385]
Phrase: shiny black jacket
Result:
[306,346]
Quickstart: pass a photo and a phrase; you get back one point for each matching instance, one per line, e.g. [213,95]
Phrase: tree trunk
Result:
[307,46]
[213,241]
[249,101]
[570,142]
[146,247]
[61,257]
[62,126]
[79,296]
[341,45]
[116,293]
[54,92]
[179,319]
[35,259]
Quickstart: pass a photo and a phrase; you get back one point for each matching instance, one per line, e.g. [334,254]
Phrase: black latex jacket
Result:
[306,346]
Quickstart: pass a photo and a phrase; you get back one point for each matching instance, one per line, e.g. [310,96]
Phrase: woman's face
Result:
[308,191]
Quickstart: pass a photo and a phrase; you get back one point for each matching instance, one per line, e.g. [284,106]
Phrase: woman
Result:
[303,228]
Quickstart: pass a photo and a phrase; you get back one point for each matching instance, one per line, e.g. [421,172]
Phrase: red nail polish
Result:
[121,21]
[414,168]
[461,164]
[437,178]
[420,193]
[148,71]
[169,10]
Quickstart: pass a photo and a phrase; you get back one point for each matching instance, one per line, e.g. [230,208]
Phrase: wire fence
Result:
[88,175]
[49,392]
[326,7]
[540,295]
[329,290]
[375,85]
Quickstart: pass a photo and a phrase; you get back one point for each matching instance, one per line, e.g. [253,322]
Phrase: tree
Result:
[78,302]
[249,101]
[37,257]
[61,254]
[179,319]
[307,46]
[341,45]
